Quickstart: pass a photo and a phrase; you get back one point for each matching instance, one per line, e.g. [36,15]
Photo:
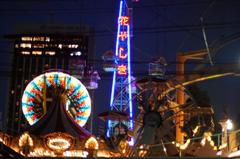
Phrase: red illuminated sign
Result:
[121,53]
[122,69]
[123,35]
[124,20]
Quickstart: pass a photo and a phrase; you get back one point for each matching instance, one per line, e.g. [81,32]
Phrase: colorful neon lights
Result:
[124,20]
[116,53]
[74,88]
[123,71]
[129,82]
[122,55]
[123,35]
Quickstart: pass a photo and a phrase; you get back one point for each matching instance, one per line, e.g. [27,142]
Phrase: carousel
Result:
[56,128]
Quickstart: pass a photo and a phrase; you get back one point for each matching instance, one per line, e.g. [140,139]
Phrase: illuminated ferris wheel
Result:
[39,94]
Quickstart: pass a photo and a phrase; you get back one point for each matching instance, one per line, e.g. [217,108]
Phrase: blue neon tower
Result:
[122,74]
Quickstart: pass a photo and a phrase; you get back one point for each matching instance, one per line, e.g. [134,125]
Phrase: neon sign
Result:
[123,71]
[124,21]
[122,55]
[122,47]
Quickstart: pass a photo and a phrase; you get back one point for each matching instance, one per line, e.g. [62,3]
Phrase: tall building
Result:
[36,53]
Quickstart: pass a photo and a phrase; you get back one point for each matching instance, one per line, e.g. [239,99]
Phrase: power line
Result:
[170,28]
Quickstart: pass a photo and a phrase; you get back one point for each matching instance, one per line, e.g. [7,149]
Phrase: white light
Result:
[71,54]
[60,46]
[78,53]
[219,153]
[234,154]
[75,153]
[131,142]
[229,124]
[164,149]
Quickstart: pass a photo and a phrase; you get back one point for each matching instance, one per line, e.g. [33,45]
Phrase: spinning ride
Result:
[35,101]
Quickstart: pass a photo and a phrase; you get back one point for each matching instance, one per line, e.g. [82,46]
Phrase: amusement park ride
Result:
[154,125]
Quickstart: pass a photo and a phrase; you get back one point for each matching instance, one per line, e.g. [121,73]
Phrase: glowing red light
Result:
[123,35]
[122,69]
[124,20]
[121,54]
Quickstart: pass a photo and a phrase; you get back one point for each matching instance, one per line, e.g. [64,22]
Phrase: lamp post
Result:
[229,127]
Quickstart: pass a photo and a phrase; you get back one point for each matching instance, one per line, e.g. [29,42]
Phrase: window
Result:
[26,38]
[38,38]
[16,45]
[25,45]
[38,46]
[47,39]
[72,46]
[50,53]
[25,52]
[60,46]
[37,52]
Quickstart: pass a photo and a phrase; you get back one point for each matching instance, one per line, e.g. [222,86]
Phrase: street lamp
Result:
[229,124]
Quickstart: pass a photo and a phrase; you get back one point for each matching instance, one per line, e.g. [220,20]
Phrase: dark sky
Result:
[160,28]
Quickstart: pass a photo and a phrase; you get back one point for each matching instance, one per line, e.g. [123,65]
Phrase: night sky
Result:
[160,28]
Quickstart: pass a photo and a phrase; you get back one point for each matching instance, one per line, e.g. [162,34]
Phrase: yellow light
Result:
[25,52]
[195,130]
[39,152]
[1,140]
[184,146]
[103,154]
[37,52]
[38,38]
[234,154]
[203,141]
[207,137]
[25,139]
[222,146]
[26,38]
[177,145]
[25,45]
[47,39]
[142,153]
[50,53]
[58,143]
[91,143]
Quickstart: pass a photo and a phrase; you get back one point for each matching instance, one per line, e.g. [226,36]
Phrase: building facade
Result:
[36,53]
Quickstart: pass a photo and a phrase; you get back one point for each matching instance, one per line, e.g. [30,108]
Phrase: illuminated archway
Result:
[91,143]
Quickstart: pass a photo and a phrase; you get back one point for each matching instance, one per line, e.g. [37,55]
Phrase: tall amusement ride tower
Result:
[121,101]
